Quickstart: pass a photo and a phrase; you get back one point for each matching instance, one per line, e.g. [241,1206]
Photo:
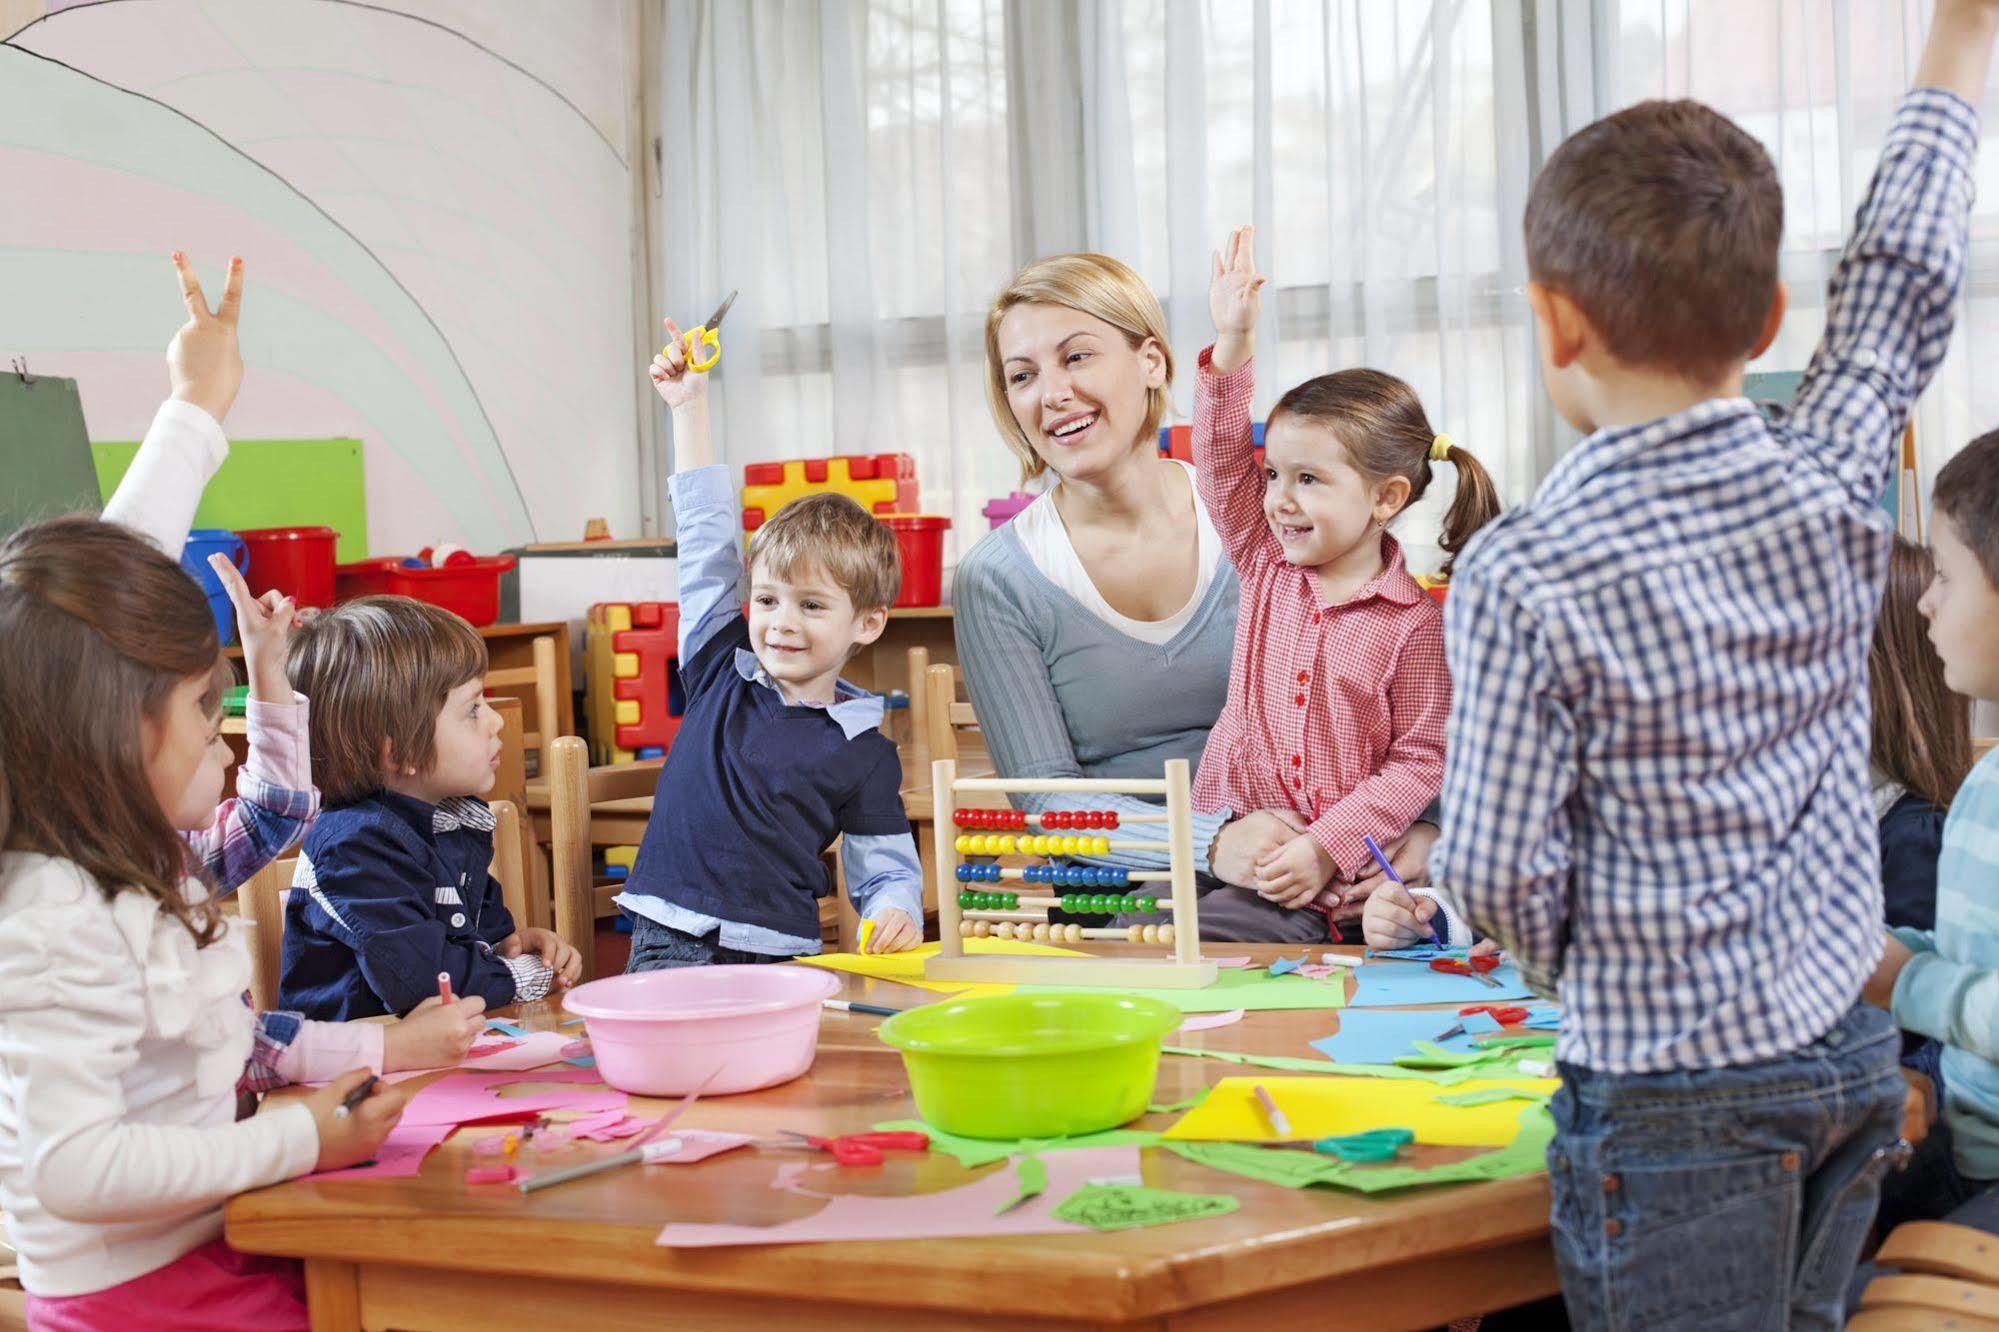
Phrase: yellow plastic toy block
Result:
[884,484]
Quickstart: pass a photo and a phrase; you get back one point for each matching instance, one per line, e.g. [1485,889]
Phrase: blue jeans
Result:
[1728,1198]
[655,946]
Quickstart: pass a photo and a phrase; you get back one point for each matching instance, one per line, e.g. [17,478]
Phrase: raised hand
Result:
[1235,300]
[204,363]
[261,626]
[671,377]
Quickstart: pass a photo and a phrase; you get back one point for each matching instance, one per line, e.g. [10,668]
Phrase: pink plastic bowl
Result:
[664,1033]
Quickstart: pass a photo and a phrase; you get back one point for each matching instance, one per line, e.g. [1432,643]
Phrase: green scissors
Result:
[1375,1145]
[704,334]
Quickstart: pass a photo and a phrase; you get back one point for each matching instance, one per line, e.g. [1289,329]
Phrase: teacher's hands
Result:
[1244,842]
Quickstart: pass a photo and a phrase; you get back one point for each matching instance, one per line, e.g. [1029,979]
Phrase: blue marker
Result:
[1374,849]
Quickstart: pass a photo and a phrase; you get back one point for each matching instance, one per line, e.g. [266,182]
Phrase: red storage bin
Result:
[921,537]
[363,578]
[471,590]
[297,561]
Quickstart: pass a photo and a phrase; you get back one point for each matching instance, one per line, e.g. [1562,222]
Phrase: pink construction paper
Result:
[531,1051]
[1228,962]
[700,1144]
[490,1174]
[1205,1021]
[608,1127]
[400,1155]
[968,1210]
[468,1098]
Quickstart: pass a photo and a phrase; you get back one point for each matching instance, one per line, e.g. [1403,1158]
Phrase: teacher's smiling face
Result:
[1078,389]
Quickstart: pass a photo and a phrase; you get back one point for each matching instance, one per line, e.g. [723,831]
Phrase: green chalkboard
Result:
[273,483]
[45,464]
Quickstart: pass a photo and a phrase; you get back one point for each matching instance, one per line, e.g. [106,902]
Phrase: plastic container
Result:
[201,543]
[1032,1066]
[362,578]
[921,537]
[471,589]
[999,512]
[297,561]
[724,1028]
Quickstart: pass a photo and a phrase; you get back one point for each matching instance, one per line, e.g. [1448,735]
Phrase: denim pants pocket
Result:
[1650,1240]
[1841,1200]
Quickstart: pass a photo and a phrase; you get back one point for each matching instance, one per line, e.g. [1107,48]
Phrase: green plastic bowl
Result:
[1032,1066]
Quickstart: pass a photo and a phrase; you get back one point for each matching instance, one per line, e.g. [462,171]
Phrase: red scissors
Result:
[1474,967]
[860,1149]
[1505,1015]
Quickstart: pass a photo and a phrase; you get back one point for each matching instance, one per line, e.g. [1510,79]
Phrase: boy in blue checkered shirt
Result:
[1656,790]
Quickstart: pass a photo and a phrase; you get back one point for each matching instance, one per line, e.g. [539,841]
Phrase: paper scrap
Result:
[400,1155]
[1293,1064]
[1489,1096]
[975,1152]
[1376,1036]
[470,1098]
[1481,1024]
[505,1028]
[1209,1021]
[1119,1207]
[1527,1154]
[489,1174]
[1284,966]
[867,933]
[1543,1017]
[1292,1170]
[699,1145]
[1229,963]
[1177,1106]
[1327,1108]
[1250,989]
[968,1210]
[1032,1178]
[1401,986]
[906,968]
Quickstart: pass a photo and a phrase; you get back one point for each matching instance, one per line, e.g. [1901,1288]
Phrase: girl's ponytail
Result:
[1475,504]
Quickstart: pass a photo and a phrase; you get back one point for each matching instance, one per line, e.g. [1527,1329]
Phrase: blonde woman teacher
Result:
[1094,630]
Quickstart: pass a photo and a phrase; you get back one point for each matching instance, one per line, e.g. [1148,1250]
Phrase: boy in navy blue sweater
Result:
[393,886]
[776,755]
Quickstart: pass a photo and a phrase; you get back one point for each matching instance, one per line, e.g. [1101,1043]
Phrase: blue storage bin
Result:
[201,543]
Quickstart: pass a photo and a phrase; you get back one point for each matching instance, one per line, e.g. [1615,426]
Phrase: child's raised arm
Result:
[1235,300]
[685,391]
[707,525]
[1224,465]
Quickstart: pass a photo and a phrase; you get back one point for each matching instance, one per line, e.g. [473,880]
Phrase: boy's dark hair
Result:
[1662,223]
[1967,493]
[378,668]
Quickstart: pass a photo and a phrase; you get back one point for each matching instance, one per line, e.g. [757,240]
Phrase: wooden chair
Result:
[263,901]
[573,788]
[918,758]
[537,687]
[1945,1276]
[944,716]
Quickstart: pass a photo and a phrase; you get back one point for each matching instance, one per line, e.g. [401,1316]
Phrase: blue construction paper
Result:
[1379,1038]
[1394,984]
[582,1061]
[1481,1024]
[502,1025]
[1420,952]
[1284,966]
[1543,1017]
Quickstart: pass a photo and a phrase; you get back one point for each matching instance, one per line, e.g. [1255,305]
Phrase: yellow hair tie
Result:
[1440,449]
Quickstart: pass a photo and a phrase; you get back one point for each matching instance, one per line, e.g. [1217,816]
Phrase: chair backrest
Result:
[573,787]
[263,901]
[919,709]
[537,686]
[946,716]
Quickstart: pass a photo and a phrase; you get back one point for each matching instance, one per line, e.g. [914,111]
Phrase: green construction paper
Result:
[1273,1165]
[1487,1096]
[1032,1176]
[1442,1077]
[1123,1207]
[1256,990]
[1519,1041]
[1177,1106]
[1526,1154]
[975,1152]
[272,483]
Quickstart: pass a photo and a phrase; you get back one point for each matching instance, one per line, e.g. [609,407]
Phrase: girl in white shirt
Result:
[125,1037]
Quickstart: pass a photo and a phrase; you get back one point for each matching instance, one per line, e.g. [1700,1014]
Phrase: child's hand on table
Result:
[204,363]
[671,378]
[894,932]
[434,1034]
[1292,875]
[559,957]
[353,1138]
[1393,918]
[261,626]
[1235,300]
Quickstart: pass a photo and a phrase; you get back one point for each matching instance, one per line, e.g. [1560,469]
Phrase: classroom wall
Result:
[433,204]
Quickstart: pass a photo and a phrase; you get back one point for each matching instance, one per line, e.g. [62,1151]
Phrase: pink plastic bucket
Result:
[664,1033]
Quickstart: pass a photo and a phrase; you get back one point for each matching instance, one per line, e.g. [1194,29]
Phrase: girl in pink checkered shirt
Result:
[1338,691]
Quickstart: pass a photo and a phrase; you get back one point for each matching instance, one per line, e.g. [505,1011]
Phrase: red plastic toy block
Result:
[655,637]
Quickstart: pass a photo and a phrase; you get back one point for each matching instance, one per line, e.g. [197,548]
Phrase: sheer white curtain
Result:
[868,172]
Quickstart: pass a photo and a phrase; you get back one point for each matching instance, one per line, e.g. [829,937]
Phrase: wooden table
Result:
[427,1253]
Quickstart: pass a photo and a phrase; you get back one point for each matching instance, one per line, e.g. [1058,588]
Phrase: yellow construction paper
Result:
[1335,1107]
[907,968]
[867,933]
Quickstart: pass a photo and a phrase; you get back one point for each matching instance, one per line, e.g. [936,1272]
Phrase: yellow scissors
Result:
[705,335]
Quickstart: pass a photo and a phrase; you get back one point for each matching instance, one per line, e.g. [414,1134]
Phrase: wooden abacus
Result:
[1008,914]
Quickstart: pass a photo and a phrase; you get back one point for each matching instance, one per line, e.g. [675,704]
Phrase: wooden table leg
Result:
[333,1295]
